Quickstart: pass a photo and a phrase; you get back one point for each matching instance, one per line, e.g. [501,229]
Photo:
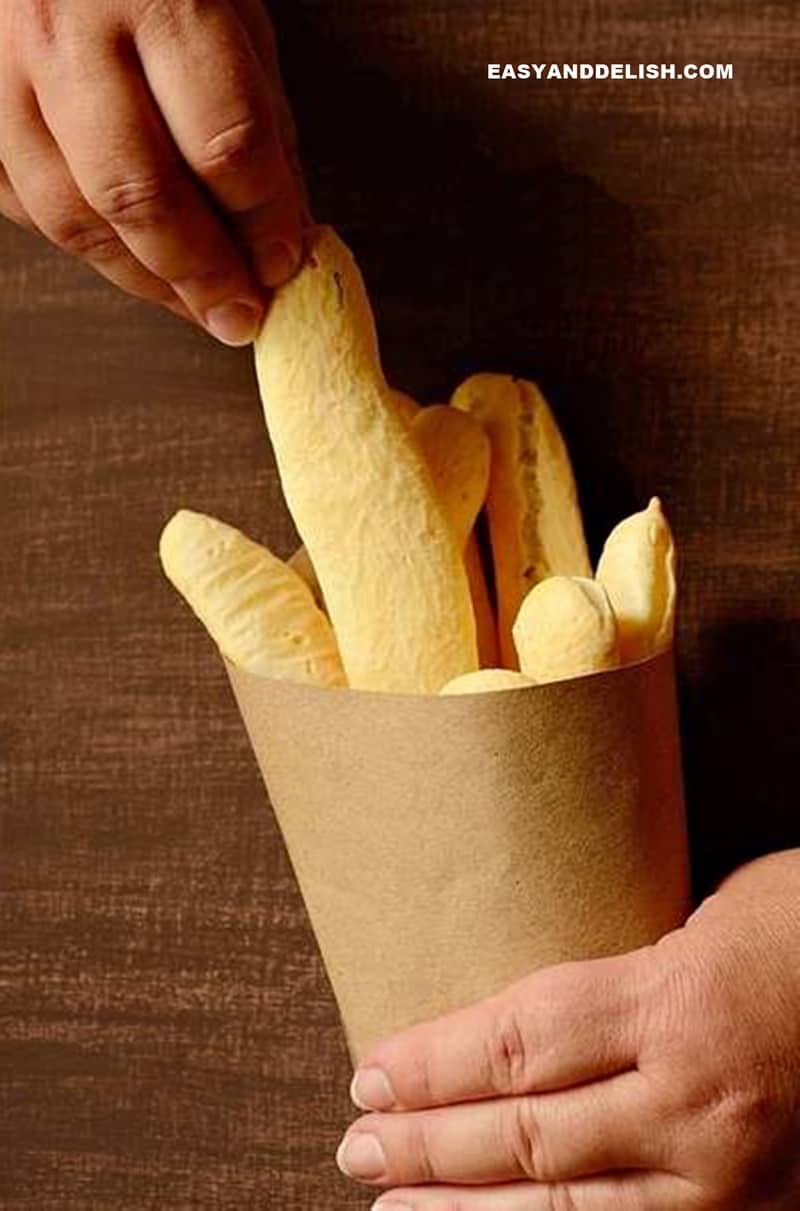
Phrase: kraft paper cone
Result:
[446,847]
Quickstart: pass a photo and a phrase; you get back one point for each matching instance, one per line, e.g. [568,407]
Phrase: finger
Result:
[10,205]
[52,204]
[545,1137]
[262,36]
[566,1024]
[130,173]
[221,108]
[618,1192]
[181,310]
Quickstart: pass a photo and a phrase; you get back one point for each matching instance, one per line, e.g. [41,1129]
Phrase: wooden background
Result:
[167,1039]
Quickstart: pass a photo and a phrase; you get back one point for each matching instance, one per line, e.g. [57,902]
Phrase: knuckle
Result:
[708,1120]
[85,237]
[681,993]
[746,1122]
[419,1152]
[237,147]
[525,1140]
[135,202]
[41,18]
[166,20]
[560,1198]
[425,1081]
[159,16]
[507,1053]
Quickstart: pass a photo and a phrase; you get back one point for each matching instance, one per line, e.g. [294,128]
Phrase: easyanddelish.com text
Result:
[610,71]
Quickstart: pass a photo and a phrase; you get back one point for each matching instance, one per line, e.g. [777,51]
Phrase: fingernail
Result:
[391,1206]
[234,323]
[371,1089]
[278,262]
[361,1156]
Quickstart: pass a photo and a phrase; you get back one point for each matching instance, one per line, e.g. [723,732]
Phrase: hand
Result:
[663,1080]
[153,139]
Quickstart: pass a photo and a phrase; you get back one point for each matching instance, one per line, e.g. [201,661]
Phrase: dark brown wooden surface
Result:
[167,1039]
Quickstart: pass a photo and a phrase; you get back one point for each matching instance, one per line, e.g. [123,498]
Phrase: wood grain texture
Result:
[167,1039]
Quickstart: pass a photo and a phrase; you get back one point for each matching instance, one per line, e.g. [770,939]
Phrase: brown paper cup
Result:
[446,847]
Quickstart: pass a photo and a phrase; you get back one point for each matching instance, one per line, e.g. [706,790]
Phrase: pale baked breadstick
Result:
[486,681]
[565,628]
[257,610]
[357,486]
[458,454]
[637,569]
[534,518]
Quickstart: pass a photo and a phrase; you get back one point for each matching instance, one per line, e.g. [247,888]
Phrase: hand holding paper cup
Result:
[452,824]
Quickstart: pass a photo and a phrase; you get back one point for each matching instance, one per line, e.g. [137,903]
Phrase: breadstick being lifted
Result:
[637,570]
[534,519]
[409,409]
[566,628]
[256,609]
[456,451]
[357,485]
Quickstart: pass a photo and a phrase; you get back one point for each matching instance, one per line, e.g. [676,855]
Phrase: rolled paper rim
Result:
[235,671]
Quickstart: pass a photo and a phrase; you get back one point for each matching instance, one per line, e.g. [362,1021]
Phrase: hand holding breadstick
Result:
[385,495]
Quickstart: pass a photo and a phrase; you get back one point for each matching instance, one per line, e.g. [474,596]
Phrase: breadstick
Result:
[456,449]
[565,628]
[637,570]
[304,568]
[458,454]
[406,405]
[487,680]
[257,610]
[357,486]
[534,519]
[485,621]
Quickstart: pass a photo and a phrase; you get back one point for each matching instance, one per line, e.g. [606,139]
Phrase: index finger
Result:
[559,1027]
[126,166]
[221,104]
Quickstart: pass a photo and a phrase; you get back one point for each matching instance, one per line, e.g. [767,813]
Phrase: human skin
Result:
[153,139]
[667,1079]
